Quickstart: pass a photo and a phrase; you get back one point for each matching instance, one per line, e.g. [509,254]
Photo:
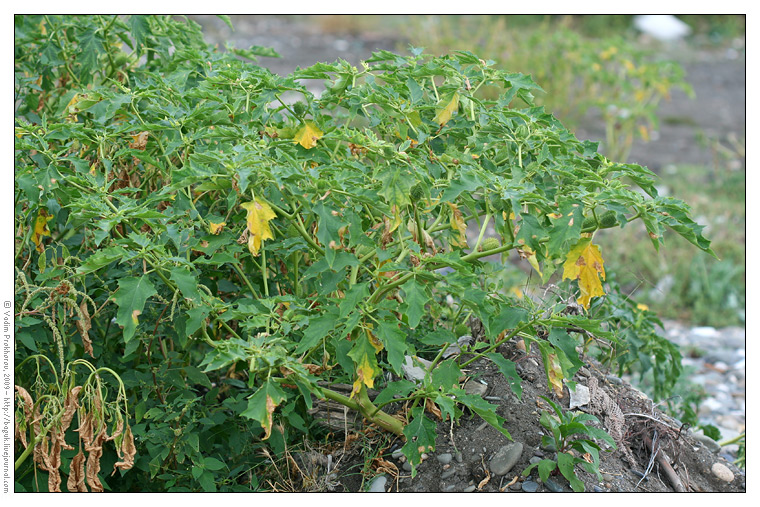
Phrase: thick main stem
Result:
[362,404]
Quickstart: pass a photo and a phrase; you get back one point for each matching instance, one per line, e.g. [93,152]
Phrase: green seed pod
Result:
[608,219]
[461,330]
[489,244]
[588,223]
[322,184]
[299,108]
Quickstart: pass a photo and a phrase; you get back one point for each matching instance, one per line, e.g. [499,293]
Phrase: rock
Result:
[378,484]
[413,368]
[597,489]
[407,466]
[474,387]
[516,486]
[469,489]
[506,458]
[534,459]
[397,454]
[448,473]
[521,345]
[450,488]
[529,486]
[444,459]
[581,396]
[711,444]
[554,486]
[722,472]
[614,380]
[458,457]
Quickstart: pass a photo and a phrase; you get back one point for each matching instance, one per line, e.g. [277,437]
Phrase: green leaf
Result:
[213,464]
[484,409]
[395,388]
[509,317]
[90,48]
[131,298]
[319,328]
[262,404]
[206,480]
[566,228]
[196,376]
[140,29]
[446,374]
[508,369]
[420,437]
[396,185]
[187,283]
[566,465]
[394,341]
[415,301]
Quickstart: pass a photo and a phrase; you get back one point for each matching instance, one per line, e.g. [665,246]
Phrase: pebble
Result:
[597,489]
[450,488]
[711,444]
[397,454]
[458,457]
[474,387]
[448,473]
[444,459]
[530,486]
[378,484]
[722,472]
[407,466]
[554,486]
[535,459]
[506,458]
[469,489]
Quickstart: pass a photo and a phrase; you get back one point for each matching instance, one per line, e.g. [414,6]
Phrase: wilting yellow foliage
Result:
[365,374]
[259,215]
[458,224]
[555,374]
[41,228]
[584,263]
[308,135]
[215,228]
[446,110]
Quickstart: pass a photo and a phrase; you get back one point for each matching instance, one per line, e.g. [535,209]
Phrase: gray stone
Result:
[407,466]
[474,387]
[581,396]
[535,459]
[458,457]
[397,454]
[530,486]
[451,472]
[450,488]
[469,489]
[378,484]
[614,380]
[413,368]
[711,444]
[445,458]
[597,489]
[506,458]
[722,472]
[554,486]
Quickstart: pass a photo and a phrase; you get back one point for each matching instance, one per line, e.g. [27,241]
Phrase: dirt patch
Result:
[472,443]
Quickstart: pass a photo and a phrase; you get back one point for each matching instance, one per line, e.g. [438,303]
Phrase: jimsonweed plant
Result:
[243,252]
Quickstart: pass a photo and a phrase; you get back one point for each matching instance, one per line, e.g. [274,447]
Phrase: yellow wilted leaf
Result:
[308,135]
[528,254]
[135,314]
[584,263]
[215,228]
[445,110]
[555,374]
[644,133]
[259,215]
[642,307]
[41,228]
[365,374]
[458,224]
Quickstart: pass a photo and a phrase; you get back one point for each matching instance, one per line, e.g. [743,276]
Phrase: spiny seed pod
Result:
[608,219]
[416,192]
[588,223]
[489,244]
[461,330]
[299,108]
[322,184]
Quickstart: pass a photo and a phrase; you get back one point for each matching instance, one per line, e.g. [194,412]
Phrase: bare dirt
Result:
[718,112]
